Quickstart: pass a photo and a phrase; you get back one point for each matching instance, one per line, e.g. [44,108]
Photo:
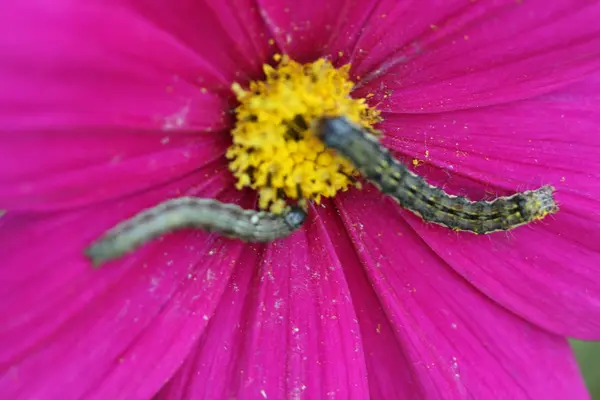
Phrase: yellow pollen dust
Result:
[274,150]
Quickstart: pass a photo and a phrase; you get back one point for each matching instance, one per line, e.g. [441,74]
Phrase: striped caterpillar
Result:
[191,212]
[432,204]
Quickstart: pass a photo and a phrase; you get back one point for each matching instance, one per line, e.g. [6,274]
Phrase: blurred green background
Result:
[588,355]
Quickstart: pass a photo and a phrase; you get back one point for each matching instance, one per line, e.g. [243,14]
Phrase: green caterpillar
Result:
[429,202]
[191,212]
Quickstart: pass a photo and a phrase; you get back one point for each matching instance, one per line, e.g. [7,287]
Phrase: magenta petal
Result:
[86,112]
[461,343]
[310,29]
[547,272]
[64,68]
[417,57]
[391,373]
[60,170]
[231,36]
[121,331]
[285,328]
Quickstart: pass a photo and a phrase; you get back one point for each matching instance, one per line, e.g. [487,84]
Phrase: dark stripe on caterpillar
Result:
[190,212]
[431,203]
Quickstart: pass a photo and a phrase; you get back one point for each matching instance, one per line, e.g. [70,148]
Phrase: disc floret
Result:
[274,150]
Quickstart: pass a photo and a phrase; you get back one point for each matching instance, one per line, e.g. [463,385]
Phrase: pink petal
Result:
[230,36]
[283,330]
[63,68]
[461,343]
[311,29]
[419,58]
[391,373]
[121,331]
[547,272]
[70,168]
[86,112]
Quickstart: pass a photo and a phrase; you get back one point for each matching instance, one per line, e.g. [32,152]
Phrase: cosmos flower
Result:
[107,108]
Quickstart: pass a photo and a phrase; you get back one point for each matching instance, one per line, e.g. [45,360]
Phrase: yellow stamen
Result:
[274,150]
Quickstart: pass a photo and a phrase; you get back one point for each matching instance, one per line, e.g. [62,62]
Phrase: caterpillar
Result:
[430,203]
[190,212]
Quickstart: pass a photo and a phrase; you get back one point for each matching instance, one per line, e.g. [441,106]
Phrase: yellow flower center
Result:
[274,150]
